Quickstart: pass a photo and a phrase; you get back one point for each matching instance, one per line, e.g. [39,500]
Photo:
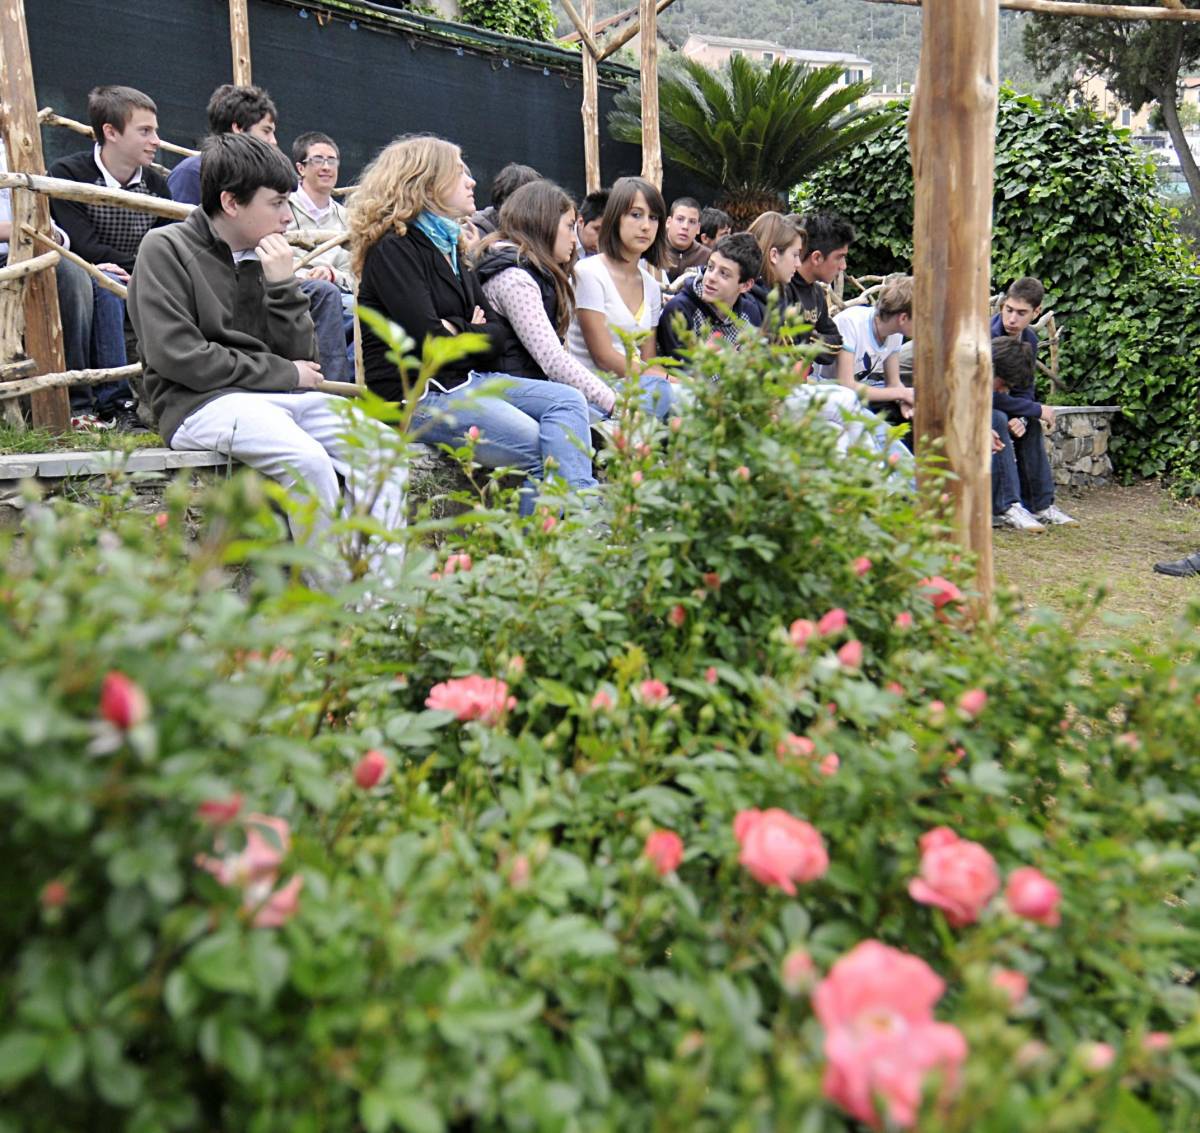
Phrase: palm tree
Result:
[753,130]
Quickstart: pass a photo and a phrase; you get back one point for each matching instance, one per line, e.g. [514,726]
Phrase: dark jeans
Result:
[325,305]
[1022,470]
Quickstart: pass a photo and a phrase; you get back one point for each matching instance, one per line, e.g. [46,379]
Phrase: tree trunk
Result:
[1167,101]
[952,140]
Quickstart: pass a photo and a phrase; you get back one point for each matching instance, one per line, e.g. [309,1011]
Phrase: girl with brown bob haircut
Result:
[614,292]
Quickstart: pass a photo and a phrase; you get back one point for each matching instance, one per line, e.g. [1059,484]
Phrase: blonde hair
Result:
[775,232]
[413,173]
[895,296]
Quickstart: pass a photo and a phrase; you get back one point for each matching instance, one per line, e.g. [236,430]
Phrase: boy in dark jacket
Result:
[717,302]
[228,341]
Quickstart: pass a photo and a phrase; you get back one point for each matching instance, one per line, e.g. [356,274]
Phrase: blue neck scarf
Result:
[443,232]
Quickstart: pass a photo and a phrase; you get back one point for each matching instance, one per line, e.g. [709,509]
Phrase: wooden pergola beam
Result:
[616,42]
[590,110]
[652,167]
[36,306]
[952,143]
[47,117]
[1088,11]
[583,25]
[239,41]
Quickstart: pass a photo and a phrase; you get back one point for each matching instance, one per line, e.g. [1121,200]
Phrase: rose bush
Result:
[218,917]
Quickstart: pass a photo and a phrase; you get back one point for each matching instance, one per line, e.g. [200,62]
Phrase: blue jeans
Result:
[659,396]
[1006,484]
[93,324]
[520,426]
[1027,472]
[108,347]
[325,306]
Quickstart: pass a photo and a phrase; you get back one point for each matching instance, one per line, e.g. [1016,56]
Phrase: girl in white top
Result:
[613,290]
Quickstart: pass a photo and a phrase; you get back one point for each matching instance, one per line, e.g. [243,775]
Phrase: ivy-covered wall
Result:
[1075,205]
[531,19]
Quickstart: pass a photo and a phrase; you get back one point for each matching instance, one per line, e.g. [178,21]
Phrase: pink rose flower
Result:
[484,699]
[219,812]
[959,878]
[797,971]
[1156,1041]
[938,836]
[278,907]
[940,591]
[794,745]
[54,894]
[833,622]
[122,702]
[519,871]
[904,620]
[161,520]
[653,692]
[549,524]
[850,655]
[664,848]
[370,769]
[676,423]
[461,562]
[1033,896]
[711,579]
[677,616]
[473,432]
[1097,1057]
[829,764]
[881,1040]
[895,688]
[972,702]
[637,479]
[602,701]
[742,472]
[861,565]
[710,674]
[779,849]
[516,665]
[1014,984]
[800,631]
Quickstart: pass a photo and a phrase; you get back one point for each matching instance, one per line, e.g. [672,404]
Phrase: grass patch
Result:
[14,441]
[1122,533]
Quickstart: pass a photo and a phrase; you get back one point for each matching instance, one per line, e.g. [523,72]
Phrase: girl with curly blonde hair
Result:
[408,245]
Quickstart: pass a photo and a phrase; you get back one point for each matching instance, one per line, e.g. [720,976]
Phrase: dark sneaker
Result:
[1180,568]
[124,418]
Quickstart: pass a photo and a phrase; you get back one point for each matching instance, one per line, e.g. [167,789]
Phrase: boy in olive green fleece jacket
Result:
[228,343]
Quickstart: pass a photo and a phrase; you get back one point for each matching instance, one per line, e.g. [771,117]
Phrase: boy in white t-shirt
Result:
[869,358]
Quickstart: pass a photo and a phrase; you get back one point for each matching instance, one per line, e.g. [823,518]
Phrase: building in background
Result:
[715,50]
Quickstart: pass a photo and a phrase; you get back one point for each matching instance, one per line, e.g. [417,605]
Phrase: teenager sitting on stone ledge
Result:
[228,342]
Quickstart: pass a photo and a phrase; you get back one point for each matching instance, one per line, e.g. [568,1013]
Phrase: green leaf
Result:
[65,1059]
[240,1051]
[21,1053]
[220,962]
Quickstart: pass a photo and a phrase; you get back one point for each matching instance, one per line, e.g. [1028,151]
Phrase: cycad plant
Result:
[756,131]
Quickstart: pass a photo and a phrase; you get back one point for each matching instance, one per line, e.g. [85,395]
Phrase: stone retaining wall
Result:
[1078,446]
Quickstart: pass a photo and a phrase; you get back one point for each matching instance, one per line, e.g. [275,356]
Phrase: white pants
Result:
[298,438]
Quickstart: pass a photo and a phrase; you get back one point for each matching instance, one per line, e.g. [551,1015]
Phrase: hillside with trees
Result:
[890,37]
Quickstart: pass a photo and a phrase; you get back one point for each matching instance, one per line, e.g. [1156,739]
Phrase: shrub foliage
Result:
[480,941]
[1076,206]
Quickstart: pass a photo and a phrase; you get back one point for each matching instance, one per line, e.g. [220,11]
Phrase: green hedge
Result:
[479,940]
[1075,205]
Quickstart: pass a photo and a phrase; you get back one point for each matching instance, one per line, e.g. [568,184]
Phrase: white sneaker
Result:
[1054,516]
[1018,519]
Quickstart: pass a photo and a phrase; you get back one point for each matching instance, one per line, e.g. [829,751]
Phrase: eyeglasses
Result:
[320,161]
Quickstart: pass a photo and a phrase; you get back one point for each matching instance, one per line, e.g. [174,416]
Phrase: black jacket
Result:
[80,220]
[813,307]
[513,357]
[407,279]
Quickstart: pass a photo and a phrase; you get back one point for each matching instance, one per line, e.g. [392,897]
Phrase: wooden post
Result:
[591,104]
[652,168]
[952,141]
[23,140]
[239,39]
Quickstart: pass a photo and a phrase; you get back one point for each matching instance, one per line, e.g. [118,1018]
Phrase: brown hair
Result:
[529,219]
[413,173]
[774,232]
[114,106]
[620,200]
[1027,289]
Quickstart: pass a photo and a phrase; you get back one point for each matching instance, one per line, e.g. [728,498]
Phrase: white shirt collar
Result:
[309,206]
[109,180]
